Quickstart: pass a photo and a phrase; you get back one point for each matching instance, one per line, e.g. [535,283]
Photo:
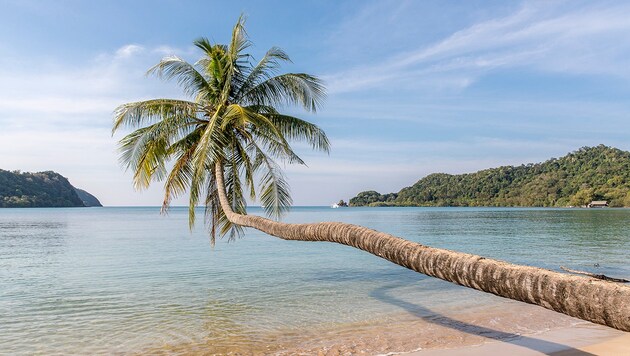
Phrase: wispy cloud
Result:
[128,51]
[544,36]
[58,116]
[415,88]
[72,93]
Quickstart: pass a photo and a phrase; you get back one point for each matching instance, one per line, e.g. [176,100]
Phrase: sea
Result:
[129,280]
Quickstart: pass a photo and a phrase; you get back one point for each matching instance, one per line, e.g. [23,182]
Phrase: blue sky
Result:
[414,87]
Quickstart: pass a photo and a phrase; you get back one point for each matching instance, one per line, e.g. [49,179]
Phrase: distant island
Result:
[40,190]
[589,174]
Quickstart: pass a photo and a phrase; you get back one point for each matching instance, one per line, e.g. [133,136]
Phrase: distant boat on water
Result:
[334,206]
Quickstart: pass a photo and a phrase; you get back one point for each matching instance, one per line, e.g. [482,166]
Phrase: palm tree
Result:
[231,134]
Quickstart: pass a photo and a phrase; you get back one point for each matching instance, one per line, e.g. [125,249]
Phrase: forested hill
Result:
[590,173]
[42,189]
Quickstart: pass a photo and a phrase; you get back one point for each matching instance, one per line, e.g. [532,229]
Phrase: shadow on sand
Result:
[542,346]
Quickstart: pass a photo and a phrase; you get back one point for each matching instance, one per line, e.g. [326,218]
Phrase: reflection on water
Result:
[127,280]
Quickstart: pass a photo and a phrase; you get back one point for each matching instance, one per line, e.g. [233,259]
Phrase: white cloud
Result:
[84,94]
[165,50]
[58,105]
[57,116]
[128,51]
[547,36]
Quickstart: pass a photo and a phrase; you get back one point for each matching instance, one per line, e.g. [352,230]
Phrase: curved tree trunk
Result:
[586,298]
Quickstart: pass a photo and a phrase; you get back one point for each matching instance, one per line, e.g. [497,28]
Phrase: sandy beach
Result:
[579,340]
[508,328]
[617,346]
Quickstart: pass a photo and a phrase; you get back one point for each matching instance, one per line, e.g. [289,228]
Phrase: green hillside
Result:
[590,173]
[42,189]
[87,198]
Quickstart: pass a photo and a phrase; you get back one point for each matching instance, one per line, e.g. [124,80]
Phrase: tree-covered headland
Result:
[590,173]
[41,189]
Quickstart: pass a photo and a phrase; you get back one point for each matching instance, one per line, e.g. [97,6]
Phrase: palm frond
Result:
[266,68]
[213,211]
[188,77]
[240,41]
[275,194]
[273,146]
[178,180]
[197,184]
[210,146]
[145,152]
[296,129]
[236,116]
[246,162]
[288,89]
[138,114]
[234,191]
[213,64]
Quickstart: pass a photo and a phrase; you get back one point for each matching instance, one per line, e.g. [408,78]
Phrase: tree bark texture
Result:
[586,298]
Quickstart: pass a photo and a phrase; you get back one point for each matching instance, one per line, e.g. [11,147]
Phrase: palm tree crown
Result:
[232,119]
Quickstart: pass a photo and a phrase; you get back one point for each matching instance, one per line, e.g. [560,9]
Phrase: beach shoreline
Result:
[579,340]
[505,328]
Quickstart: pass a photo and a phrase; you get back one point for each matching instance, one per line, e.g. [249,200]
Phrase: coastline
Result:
[578,340]
[505,328]
[238,301]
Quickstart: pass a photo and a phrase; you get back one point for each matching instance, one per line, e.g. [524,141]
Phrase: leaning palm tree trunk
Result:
[589,299]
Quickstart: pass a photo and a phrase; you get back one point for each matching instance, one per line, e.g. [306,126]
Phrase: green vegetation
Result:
[373,198]
[590,173]
[42,189]
[231,123]
[87,198]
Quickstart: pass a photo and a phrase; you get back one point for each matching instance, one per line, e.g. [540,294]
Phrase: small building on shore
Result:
[598,204]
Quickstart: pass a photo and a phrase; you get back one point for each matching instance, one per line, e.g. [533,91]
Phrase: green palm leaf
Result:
[232,121]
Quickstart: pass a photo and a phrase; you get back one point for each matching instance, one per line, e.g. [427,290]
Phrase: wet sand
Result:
[580,340]
[507,327]
[617,346]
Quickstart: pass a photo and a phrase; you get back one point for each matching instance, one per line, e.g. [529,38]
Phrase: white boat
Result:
[334,206]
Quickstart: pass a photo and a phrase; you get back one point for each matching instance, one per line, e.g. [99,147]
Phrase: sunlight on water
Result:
[126,280]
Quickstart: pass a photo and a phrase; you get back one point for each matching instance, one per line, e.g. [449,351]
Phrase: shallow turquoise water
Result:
[120,280]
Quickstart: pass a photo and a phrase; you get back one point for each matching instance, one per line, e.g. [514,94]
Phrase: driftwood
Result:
[598,276]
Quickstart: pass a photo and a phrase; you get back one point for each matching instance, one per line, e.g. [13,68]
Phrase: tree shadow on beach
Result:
[543,346]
